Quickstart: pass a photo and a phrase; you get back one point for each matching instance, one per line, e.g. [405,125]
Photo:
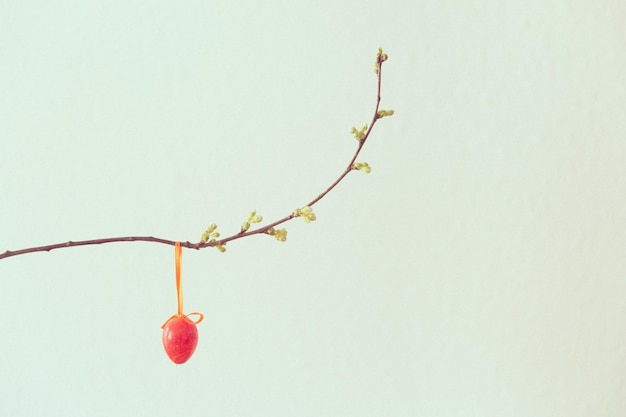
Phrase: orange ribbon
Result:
[178,255]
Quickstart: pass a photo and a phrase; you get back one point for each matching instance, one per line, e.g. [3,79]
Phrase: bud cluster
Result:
[252,218]
[306,213]
[280,234]
[362,166]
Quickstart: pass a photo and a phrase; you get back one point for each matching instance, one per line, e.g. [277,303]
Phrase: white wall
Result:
[479,270]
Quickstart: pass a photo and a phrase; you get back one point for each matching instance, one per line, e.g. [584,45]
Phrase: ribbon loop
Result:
[195,313]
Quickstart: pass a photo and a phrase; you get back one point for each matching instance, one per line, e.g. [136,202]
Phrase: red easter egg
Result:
[180,338]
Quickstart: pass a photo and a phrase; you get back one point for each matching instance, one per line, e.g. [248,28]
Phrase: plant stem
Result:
[238,235]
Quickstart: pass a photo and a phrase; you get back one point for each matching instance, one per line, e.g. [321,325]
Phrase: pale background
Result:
[479,270]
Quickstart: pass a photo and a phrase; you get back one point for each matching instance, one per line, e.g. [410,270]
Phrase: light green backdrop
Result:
[479,270]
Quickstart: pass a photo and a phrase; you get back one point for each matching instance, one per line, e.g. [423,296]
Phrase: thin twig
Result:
[261,230]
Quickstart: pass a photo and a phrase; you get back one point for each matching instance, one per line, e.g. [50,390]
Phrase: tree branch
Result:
[361,135]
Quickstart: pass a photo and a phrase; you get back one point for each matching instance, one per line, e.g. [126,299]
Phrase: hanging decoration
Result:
[180,335]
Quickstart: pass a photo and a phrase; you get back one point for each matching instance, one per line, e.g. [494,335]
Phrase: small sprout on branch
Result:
[384,113]
[306,213]
[280,234]
[252,218]
[221,248]
[380,58]
[210,234]
[359,134]
[362,166]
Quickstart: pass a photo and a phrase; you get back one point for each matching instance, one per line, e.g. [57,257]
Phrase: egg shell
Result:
[180,338]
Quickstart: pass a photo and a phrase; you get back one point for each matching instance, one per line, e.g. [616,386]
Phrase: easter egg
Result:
[180,338]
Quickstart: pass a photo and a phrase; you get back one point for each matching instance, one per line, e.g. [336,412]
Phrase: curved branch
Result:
[362,138]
